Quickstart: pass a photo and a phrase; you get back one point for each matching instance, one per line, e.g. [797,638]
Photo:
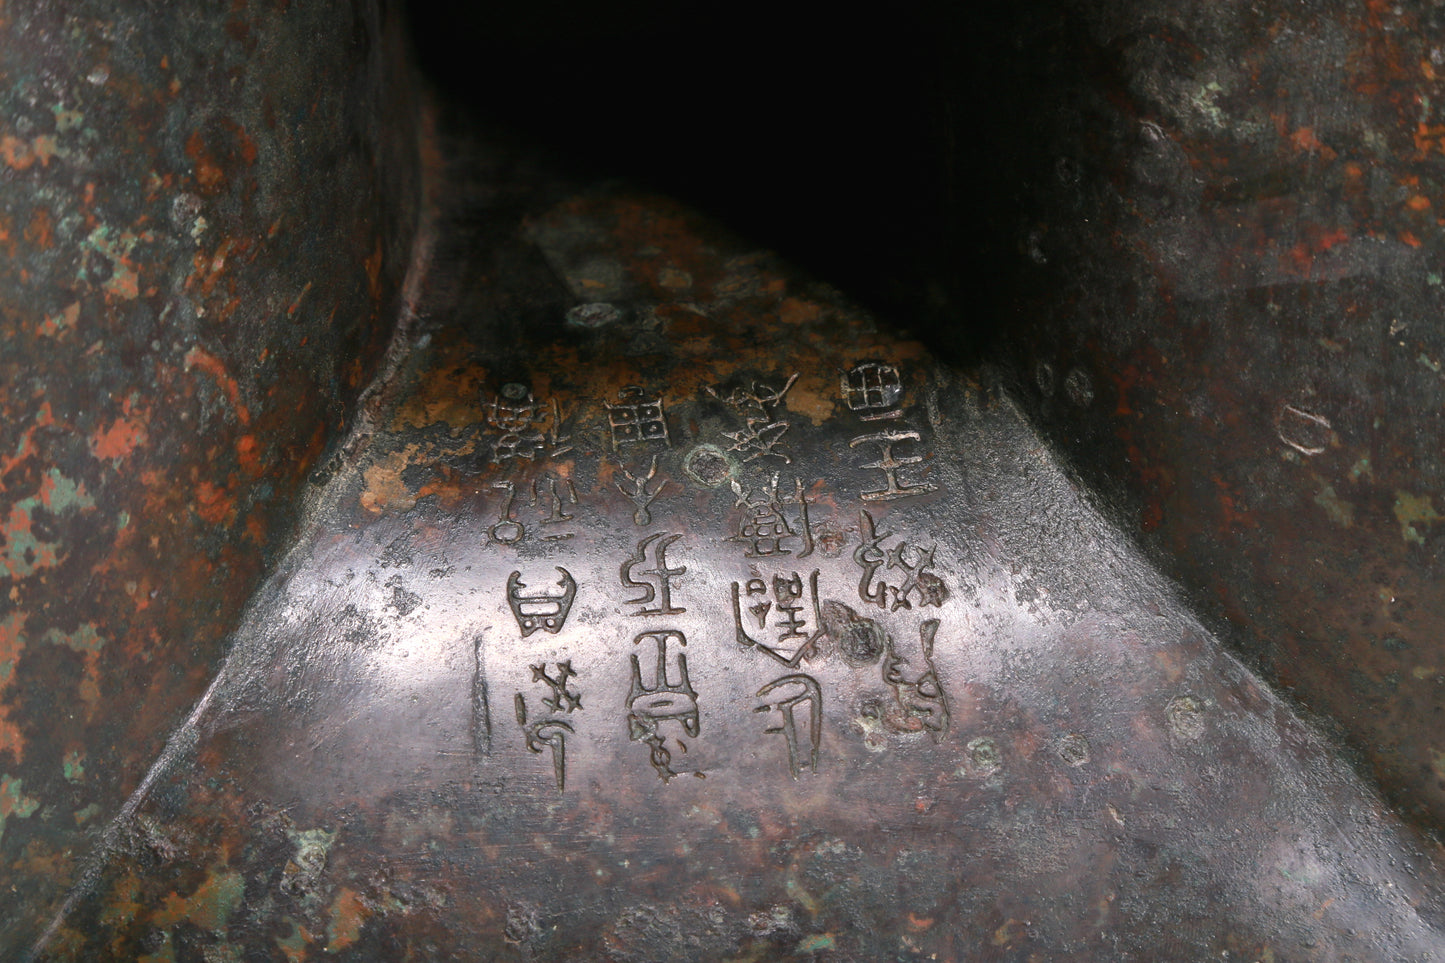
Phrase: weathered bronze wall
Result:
[1232,291]
[679,610]
[205,213]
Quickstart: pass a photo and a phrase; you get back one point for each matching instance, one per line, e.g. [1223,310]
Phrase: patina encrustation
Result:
[677,608]
[1229,318]
[205,213]
[663,603]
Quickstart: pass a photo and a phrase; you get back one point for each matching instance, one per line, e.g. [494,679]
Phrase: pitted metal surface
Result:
[204,218]
[662,603]
[1231,236]
[705,617]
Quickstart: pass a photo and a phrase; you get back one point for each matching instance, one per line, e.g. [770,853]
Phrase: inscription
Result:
[762,430]
[640,495]
[792,604]
[915,563]
[543,735]
[889,463]
[874,391]
[550,497]
[522,427]
[549,734]
[481,711]
[668,699]
[921,699]
[655,582]
[637,418]
[765,525]
[545,490]
[546,612]
[507,530]
[564,698]
[804,692]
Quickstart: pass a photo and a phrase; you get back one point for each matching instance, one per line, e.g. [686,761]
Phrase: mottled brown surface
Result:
[204,218]
[1232,327]
[1088,775]
[614,416]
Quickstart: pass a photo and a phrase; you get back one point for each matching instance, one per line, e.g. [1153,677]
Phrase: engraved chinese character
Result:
[551,496]
[637,418]
[550,734]
[915,564]
[668,698]
[507,530]
[641,495]
[765,526]
[523,427]
[563,698]
[762,430]
[546,734]
[542,611]
[889,462]
[873,390]
[656,582]
[806,692]
[778,617]
[921,704]
[556,493]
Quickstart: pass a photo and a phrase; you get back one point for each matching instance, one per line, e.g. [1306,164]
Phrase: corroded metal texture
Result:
[205,211]
[1232,292]
[677,609]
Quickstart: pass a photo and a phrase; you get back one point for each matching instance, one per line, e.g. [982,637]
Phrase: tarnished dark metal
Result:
[1232,326]
[205,213]
[676,609]
[659,602]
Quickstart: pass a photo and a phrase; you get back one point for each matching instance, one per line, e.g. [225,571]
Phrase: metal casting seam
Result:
[398,349]
[179,744]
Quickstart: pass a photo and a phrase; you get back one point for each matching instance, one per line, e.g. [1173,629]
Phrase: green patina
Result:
[1342,513]
[293,947]
[11,644]
[122,281]
[1205,101]
[817,943]
[83,639]
[312,846]
[86,814]
[23,553]
[210,906]
[74,765]
[1412,510]
[66,120]
[14,802]
[60,494]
